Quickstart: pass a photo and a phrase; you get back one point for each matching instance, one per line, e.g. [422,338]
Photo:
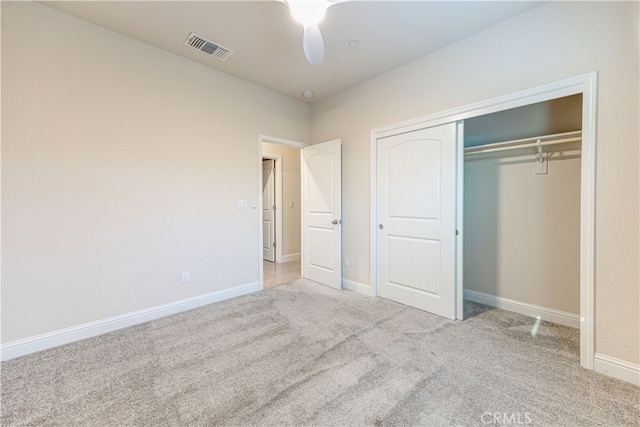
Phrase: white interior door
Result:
[416,213]
[322,213]
[268,210]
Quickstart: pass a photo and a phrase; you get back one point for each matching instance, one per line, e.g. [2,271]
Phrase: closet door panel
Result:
[416,210]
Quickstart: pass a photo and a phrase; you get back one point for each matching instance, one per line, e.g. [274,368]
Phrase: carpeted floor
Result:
[304,354]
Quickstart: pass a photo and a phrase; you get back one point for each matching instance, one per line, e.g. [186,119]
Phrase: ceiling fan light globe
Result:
[308,12]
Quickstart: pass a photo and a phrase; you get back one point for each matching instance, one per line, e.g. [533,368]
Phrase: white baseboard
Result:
[547,314]
[29,345]
[617,368]
[357,287]
[290,257]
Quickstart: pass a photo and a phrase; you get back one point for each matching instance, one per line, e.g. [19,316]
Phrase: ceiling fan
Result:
[309,13]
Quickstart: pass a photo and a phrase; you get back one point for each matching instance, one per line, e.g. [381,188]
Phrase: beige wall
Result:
[290,193]
[121,167]
[552,42]
[522,230]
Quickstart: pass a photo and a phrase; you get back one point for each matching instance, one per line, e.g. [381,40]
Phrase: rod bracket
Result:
[542,160]
[539,144]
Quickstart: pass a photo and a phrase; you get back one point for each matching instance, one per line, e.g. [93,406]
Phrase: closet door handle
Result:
[381,226]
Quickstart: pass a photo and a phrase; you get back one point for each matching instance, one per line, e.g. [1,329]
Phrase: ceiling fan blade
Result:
[313,45]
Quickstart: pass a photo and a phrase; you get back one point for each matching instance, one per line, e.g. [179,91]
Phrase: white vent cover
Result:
[208,47]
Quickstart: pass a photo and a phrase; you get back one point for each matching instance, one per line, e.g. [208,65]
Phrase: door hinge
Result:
[274,244]
[274,207]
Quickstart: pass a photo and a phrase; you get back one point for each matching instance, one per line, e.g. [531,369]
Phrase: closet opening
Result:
[538,132]
[522,186]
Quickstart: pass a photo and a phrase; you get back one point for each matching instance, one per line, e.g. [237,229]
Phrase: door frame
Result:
[585,84]
[278,201]
[274,140]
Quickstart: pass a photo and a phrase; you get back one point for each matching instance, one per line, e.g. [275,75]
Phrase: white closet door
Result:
[416,211]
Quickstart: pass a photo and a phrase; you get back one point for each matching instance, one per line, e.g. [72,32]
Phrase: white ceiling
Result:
[267,43]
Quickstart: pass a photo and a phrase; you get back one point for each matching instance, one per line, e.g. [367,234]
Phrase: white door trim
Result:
[585,84]
[459,295]
[266,138]
[275,140]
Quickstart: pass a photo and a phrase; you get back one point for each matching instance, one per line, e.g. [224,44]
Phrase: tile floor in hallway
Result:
[277,274]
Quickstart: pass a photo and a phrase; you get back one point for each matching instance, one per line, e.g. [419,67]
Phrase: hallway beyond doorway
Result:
[278,274]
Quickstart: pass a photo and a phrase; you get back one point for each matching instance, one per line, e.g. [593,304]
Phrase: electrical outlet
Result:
[185,277]
[346,261]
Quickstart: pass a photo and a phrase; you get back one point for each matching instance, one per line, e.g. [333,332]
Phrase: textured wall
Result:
[118,173]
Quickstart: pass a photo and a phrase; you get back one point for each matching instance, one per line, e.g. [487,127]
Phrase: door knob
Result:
[334,222]
[381,226]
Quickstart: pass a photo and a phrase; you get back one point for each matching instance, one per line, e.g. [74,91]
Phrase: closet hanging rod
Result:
[559,138]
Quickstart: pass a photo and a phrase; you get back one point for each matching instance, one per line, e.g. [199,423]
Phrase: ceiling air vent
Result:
[208,47]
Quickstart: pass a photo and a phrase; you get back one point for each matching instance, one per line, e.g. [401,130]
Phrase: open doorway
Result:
[281,214]
[320,206]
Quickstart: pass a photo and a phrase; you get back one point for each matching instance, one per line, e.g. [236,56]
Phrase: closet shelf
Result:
[558,138]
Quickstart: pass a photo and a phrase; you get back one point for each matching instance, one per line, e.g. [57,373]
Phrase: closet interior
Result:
[522,209]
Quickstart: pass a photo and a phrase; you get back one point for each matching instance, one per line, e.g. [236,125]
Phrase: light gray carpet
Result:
[304,354]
